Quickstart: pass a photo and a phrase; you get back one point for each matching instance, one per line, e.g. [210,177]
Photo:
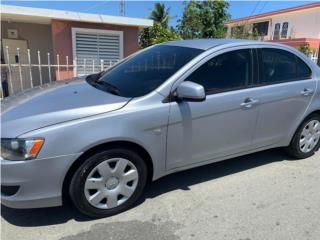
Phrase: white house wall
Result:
[302,24]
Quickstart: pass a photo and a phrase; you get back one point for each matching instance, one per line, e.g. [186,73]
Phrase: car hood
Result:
[54,103]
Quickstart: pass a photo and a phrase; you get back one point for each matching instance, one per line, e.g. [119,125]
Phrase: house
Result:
[48,37]
[295,26]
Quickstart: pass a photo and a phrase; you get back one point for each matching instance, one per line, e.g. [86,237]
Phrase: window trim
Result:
[74,31]
[247,86]
[261,70]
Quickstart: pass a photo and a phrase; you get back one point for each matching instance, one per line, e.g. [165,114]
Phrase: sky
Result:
[141,9]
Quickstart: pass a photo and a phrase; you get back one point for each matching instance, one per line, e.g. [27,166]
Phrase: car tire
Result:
[111,183]
[296,148]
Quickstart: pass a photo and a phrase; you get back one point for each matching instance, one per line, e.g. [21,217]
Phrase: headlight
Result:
[20,149]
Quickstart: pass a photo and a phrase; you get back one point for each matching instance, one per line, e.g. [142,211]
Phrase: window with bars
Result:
[276,33]
[284,31]
[91,46]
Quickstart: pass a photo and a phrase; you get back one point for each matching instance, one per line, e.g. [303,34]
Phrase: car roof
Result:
[206,44]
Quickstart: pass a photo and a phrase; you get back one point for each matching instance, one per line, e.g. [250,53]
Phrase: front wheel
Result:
[108,183]
[306,140]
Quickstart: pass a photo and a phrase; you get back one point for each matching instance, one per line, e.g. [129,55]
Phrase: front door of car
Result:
[224,123]
[286,89]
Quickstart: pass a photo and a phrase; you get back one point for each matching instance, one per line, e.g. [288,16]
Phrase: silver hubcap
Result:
[111,183]
[310,136]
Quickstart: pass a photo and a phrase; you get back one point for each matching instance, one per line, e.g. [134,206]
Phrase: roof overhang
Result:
[45,16]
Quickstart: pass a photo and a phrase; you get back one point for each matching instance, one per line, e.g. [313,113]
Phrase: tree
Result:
[204,19]
[305,48]
[159,32]
[160,14]
[156,34]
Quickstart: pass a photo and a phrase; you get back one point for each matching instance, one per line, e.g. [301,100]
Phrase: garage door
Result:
[90,46]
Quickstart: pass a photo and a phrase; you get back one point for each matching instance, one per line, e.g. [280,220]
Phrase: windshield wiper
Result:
[111,88]
[94,77]
[95,80]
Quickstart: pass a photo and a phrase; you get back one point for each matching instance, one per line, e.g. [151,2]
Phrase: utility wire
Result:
[97,4]
[254,9]
[263,6]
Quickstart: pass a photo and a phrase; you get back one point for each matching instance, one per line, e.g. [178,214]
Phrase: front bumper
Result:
[39,181]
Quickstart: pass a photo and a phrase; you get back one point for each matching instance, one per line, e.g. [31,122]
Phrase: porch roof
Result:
[44,16]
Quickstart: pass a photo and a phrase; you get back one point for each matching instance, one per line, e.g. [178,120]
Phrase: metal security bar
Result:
[18,75]
[315,59]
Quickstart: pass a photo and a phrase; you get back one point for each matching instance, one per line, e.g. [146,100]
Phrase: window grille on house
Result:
[276,33]
[90,48]
[284,30]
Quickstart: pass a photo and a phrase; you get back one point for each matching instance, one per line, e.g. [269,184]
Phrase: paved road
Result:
[261,196]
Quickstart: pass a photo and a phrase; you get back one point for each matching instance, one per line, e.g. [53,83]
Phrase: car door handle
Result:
[306,92]
[249,103]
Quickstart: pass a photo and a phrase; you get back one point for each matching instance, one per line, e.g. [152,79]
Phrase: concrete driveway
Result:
[260,196]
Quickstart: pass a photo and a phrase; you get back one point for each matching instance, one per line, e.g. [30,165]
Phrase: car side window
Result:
[303,71]
[278,66]
[226,72]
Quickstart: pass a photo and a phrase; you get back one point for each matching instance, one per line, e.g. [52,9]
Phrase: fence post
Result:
[101,65]
[84,66]
[318,60]
[30,68]
[49,67]
[39,66]
[20,70]
[1,92]
[9,69]
[93,67]
[58,63]
[67,60]
[75,67]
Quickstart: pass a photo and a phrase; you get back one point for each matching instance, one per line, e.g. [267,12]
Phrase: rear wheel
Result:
[108,183]
[306,141]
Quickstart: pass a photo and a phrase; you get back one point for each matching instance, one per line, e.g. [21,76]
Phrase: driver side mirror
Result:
[190,91]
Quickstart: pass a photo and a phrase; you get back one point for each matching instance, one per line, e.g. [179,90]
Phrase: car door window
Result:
[226,72]
[303,71]
[278,66]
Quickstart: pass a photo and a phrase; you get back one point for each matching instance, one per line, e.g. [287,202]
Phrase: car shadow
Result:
[181,180]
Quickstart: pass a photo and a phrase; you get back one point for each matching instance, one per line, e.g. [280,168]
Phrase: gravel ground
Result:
[260,196]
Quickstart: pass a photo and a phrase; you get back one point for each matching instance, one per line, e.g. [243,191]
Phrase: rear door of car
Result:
[286,86]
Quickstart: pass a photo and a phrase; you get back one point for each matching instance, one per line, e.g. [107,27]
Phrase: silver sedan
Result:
[170,107]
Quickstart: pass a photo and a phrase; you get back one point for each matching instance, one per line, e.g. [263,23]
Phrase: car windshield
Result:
[145,71]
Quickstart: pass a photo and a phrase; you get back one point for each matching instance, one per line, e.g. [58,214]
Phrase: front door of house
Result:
[19,76]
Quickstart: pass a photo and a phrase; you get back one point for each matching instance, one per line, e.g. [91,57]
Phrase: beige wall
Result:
[38,37]
[302,24]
